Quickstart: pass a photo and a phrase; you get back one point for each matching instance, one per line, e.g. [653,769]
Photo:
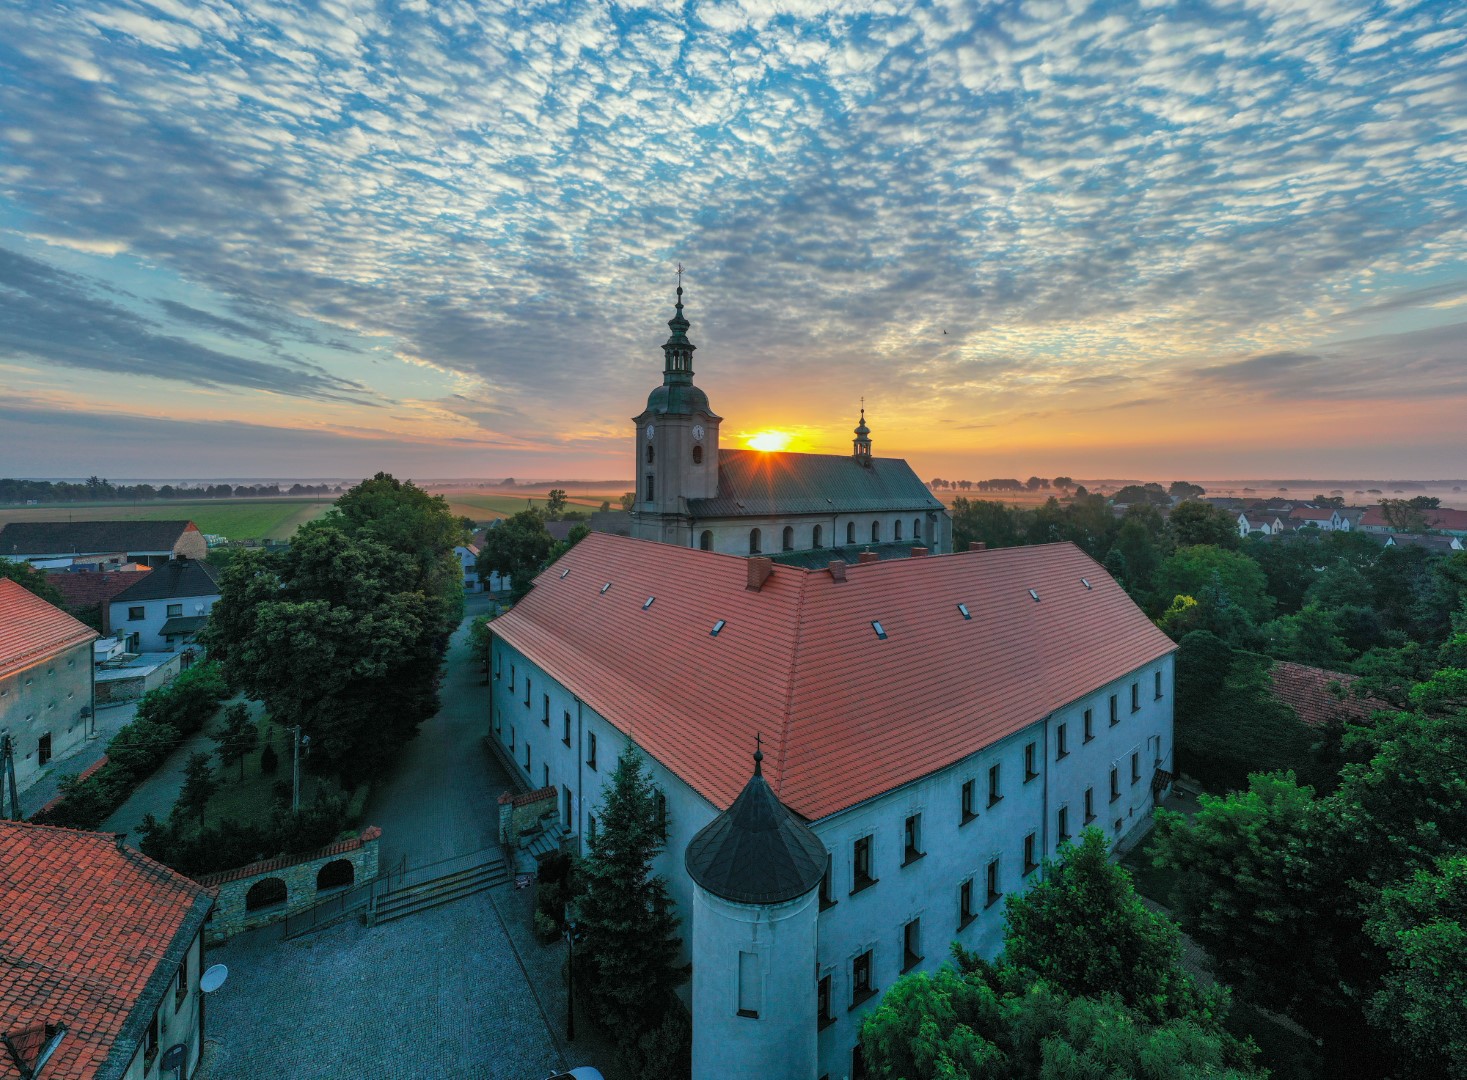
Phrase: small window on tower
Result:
[697,455]
[651,453]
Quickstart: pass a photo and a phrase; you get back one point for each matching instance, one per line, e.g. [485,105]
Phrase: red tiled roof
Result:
[31,629]
[845,716]
[1443,518]
[1306,513]
[1307,691]
[81,591]
[92,932]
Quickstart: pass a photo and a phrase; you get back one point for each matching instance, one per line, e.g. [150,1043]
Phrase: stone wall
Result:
[265,892]
[519,814]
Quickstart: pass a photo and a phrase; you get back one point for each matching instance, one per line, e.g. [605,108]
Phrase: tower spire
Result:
[861,444]
[758,754]
[677,351]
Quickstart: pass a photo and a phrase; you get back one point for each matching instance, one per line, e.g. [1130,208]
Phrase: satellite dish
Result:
[213,979]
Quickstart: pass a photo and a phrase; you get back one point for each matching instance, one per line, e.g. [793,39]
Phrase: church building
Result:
[857,764]
[694,493]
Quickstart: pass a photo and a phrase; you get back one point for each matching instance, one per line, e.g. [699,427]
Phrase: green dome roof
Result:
[678,398]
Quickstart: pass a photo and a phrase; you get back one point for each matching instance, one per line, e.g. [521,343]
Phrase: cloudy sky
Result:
[260,238]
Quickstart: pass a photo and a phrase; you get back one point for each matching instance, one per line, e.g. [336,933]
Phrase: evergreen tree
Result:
[199,785]
[238,738]
[626,919]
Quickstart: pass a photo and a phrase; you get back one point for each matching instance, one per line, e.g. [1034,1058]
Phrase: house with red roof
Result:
[1326,518]
[47,692]
[1318,696]
[82,591]
[102,949]
[939,724]
[1442,520]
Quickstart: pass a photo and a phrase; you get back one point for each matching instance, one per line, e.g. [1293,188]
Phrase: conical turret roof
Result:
[758,851]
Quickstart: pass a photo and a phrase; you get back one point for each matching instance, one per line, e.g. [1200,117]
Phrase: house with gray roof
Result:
[150,543]
[166,609]
[693,493]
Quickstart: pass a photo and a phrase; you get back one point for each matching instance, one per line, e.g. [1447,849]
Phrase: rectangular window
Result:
[993,785]
[662,815]
[1115,715]
[1089,724]
[862,869]
[180,984]
[1062,824]
[527,691]
[135,614]
[858,1063]
[175,610]
[1158,686]
[591,826]
[546,782]
[827,883]
[1030,754]
[565,738]
[1061,741]
[43,748]
[994,893]
[861,987]
[912,840]
[511,738]
[651,487]
[968,812]
[591,749]
[511,678]
[1136,768]
[527,757]
[1135,697]
[150,1043]
[822,1003]
[911,944]
[546,716]
[1115,784]
[1089,805]
[749,984]
[1031,863]
[966,914]
[499,667]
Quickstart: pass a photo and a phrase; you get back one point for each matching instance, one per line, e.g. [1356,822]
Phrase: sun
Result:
[770,440]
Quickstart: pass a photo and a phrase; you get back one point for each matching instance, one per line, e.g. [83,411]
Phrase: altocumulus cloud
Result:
[494,185]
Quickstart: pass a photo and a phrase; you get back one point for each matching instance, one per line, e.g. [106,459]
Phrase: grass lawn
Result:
[250,801]
[482,506]
[238,519]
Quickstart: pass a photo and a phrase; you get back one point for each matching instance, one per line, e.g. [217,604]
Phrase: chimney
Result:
[977,545]
[918,552]
[868,557]
[759,570]
[837,570]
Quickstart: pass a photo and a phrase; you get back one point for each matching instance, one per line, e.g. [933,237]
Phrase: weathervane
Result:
[679,275]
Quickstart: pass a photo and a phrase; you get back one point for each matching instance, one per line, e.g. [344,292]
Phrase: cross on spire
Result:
[679,276]
[758,754]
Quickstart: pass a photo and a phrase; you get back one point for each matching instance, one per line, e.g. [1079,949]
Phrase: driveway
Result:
[109,720]
[441,993]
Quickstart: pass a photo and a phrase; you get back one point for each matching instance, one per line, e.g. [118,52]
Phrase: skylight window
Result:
[605,587]
[1085,581]
[1032,592]
[964,609]
[719,625]
[564,572]
[648,603]
[879,631]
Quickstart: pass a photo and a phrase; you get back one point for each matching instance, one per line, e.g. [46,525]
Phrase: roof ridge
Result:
[789,686]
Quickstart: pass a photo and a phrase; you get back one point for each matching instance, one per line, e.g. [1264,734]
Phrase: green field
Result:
[483,506]
[238,519]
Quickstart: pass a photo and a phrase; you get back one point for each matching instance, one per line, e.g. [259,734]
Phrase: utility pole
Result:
[7,775]
[297,740]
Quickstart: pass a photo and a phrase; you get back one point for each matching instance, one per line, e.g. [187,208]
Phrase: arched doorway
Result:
[265,893]
[817,538]
[787,543]
[705,542]
[754,548]
[335,875]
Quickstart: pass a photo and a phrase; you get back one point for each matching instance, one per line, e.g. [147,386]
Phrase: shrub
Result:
[547,930]
[269,760]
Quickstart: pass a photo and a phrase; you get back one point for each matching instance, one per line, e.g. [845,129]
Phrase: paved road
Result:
[442,800]
[441,993]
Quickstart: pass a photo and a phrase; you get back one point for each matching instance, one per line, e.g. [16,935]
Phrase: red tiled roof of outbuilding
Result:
[1307,691]
[97,930]
[83,590]
[845,715]
[31,629]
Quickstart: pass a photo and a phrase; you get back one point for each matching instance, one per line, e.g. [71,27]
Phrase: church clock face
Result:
[651,430]
[698,432]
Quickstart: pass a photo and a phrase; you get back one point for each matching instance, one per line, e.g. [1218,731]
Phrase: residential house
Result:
[151,543]
[939,725]
[46,691]
[1443,544]
[165,609]
[101,962]
[1443,520]
[1319,697]
[86,591]
[1258,520]
[1325,518]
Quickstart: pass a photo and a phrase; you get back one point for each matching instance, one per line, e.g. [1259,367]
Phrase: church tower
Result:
[676,446]
[756,869]
[861,444]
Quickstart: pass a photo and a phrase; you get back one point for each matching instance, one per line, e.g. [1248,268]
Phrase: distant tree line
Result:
[1034,483]
[96,489]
